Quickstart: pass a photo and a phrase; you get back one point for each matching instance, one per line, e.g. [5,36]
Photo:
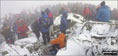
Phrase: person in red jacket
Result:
[115,14]
[87,13]
[22,29]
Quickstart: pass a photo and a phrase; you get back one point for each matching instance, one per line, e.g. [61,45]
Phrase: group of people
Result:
[19,28]
[44,24]
[102,12]
[41,25]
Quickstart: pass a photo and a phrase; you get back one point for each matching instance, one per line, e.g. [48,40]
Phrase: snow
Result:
[72,49]
[76,18]
[100,29]
[81,41]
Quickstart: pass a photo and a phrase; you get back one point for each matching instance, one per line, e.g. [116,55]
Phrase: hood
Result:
[64,13]
[47,10]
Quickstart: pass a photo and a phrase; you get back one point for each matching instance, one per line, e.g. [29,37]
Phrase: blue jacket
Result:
[103,14]
[64,22]
[44,25]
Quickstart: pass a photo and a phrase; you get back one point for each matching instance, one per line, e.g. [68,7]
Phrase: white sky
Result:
[18,6]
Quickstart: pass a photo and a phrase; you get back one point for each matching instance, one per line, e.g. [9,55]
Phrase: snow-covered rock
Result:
[80,39]
[71,16]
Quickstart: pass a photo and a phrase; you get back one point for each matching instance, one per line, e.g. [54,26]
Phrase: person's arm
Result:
[56,41]
[46,46]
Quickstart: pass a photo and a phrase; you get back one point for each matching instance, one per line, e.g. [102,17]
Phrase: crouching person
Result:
[8,34]
[58,43]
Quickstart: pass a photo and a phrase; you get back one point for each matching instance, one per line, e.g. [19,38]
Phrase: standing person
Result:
[115,14]
[50,18]
[103,13]
[8,34]
[22,29]
[36,28]
[64,22]
[15,28]
[44,27]
[87,12]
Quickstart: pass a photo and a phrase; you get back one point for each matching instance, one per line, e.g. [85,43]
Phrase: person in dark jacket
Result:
[36,28]
[8,34]
[64,22]
[50,16]
[44,27]
[103,13]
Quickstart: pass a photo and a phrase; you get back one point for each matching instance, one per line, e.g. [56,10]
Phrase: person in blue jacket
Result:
[64,22]
[50,18]
[103,13]
[44,27]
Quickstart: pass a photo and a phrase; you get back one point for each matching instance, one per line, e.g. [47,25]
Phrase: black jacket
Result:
[35,26]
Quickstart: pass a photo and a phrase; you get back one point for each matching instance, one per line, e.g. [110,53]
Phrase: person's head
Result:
[102,3]
[47,10]
[64,13]
[20,22]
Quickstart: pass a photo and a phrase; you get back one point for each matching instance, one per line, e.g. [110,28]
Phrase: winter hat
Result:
[102,3]
[64,13]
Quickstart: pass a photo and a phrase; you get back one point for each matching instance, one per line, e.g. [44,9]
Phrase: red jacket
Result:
[86,11]
[115,15]
[50,15]
[22,30]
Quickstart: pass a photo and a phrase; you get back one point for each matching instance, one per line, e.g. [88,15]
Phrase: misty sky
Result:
[18,6]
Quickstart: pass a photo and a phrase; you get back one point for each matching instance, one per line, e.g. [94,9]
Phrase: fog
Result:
[17,6]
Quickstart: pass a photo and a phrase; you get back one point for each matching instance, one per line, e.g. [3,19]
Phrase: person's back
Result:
[35,26]
[103,13]
[64,22]
[43,21]
[60,40]
[22,29]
